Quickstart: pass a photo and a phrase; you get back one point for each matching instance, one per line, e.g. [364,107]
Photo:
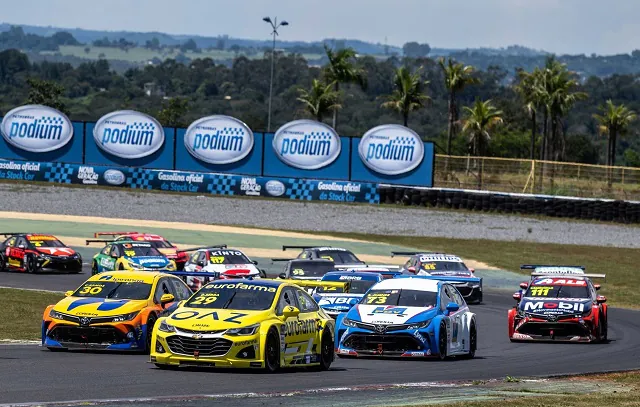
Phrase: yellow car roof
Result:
[128,276]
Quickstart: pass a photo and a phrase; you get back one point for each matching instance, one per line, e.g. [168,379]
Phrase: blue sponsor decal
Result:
[106,304]
[400,311]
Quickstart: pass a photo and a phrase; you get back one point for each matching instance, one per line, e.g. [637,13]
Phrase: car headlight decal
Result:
[349,322]
[166,327]
[245,331]
[419,325]
[125,317]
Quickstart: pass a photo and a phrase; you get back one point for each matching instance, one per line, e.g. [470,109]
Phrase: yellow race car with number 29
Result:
[266,324]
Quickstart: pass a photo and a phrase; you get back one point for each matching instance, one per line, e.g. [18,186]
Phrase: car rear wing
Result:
[589,275]
[317,283]
[446,279]
[389,272]
[281,259]
[287,247]
[552,269]
[537,266]
[105,241]
[114,234]
[15,233]
[193,249]
[393,254]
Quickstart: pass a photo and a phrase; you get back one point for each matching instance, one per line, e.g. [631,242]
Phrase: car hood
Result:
[93,307]
[57,251]
[390,314]
[204,319]
[555,306]
[149,261]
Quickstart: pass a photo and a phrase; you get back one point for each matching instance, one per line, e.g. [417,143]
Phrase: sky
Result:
[559,26]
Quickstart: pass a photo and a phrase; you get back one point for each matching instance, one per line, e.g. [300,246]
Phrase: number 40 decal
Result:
[214,315]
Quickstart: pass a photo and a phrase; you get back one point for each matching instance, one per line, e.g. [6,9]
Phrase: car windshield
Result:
[160,244]
[339,256]
[228,257]
[131,250]
[130,290]
[247,296]
[558,291]
[401,297]
[310,268]
[444,266]
[49,242]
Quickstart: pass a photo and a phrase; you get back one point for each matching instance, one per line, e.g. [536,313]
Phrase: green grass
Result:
[620,265]
[627,397]
[22,312]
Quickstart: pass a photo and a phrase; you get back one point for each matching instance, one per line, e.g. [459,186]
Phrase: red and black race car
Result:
[33,252]
[559,304]
[164,246]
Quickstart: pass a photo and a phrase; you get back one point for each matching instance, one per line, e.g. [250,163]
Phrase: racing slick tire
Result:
[29,263]
[121,266]
[326,350]
[601,330]
[94,268]
[272,352]
[473,342]
[442,341]
[3,263]
[151,321]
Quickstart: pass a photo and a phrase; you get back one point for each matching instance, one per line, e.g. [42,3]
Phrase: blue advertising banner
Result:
[129,138]
[219,144]
[194,182]
[392,154]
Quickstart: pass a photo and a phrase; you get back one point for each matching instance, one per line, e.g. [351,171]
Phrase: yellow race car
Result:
[266,324]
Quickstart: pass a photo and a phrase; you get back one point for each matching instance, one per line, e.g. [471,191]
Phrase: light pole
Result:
[275,26]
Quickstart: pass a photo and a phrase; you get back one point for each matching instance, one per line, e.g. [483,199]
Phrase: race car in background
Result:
[164,246]
[337,255]
[263,324]
[384,270]
[560,304]
[221,262]
[334,301]
[111,311]
[408,316]
[34,252]
[444,265]
[304,269]
[130,255]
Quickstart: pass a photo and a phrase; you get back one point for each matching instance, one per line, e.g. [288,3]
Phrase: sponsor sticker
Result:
[218,139]
[87,175]
[36,128]
[307,144]
[275,188]
[128,134]
[114,177]
[391,149]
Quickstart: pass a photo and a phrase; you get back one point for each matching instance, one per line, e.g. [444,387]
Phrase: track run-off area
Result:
[31,374]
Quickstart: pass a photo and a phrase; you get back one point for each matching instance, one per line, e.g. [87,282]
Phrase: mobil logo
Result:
[391,149]
[36,128]
[128,134]
[307,144]
[218,139]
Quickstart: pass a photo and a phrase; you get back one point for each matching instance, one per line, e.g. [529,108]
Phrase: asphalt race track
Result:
[30,374]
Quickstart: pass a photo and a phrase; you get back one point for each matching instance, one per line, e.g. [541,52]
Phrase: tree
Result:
[408,94]
[46,93]
[480,120]
[320,99]
[456,77]
[531,92]
[189,45]
[341,69]
[173,112]
[415,50]
[614,121]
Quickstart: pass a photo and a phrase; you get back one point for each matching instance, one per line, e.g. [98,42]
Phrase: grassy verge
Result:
[620,265]
[628,397]
[22,312]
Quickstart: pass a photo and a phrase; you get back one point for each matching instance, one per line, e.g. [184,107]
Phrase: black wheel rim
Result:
[272,354]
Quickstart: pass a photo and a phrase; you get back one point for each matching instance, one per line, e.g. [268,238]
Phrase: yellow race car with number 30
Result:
[266,324]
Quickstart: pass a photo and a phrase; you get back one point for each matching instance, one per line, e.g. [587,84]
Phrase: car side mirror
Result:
[290,312]
[181,303]
[472,270]
[21,246]
[452,307]
[601,299]
[517,296]
[167,298]
[113,256]
[68,293]
[254,262]
[282,275]
[411,269]
[201,263]
[596,286]
[262,273]
[353,302]
[524,286]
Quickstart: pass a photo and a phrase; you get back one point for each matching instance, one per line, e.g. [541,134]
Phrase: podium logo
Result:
[391,149]
[36,128]
[218,139]
[128,134]
[307,144]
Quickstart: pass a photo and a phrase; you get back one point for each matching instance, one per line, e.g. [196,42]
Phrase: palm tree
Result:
[614,121]
[456,77]
[408,94]
[480,120]
[341,69]
[320,99]
[532,94]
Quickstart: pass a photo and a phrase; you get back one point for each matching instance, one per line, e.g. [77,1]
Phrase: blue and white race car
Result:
[334,302]
[408,316]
